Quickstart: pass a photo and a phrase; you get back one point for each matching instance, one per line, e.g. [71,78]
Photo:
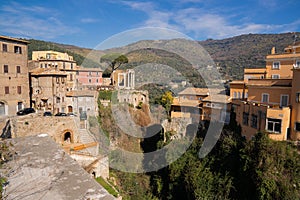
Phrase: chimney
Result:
[273,51]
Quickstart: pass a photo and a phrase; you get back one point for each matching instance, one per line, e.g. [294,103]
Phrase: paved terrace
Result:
[40,169]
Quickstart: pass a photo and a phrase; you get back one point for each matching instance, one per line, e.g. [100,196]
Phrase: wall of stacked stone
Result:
[54,126]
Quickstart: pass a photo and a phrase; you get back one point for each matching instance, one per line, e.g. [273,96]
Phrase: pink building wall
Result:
[89,77]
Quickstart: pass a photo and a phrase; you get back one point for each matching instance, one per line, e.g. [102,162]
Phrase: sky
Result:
[90,22]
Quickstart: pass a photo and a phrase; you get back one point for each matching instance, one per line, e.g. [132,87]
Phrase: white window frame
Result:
[262,98]
[276,65]
[275,76]
[269,120]
[287,103]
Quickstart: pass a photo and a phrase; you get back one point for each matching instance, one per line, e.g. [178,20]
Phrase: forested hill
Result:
[231,54]
[78,55]
[246,51]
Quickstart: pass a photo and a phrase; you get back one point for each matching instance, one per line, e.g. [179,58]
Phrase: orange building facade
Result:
[268,99]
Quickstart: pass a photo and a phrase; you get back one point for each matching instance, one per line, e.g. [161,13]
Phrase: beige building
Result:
[267,99]
[201,104]
[48,90]
[56,61]
[14,81]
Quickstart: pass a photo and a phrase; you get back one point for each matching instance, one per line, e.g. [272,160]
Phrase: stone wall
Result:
[54,126]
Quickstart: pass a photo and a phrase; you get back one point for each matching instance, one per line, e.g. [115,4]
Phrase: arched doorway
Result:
[67,137]
[2,108]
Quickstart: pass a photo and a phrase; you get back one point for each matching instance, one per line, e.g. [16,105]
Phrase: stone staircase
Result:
[85,137]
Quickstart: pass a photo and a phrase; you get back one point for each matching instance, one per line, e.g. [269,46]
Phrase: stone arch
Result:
[3,105]
[67,136]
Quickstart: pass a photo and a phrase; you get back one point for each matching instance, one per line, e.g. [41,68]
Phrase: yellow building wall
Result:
[255,93]
[295,117]
[238,89]
[284,115]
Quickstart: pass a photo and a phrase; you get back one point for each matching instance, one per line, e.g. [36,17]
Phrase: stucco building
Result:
[267,99]
[14,81]
[201,104]
[88,77]
[48,90]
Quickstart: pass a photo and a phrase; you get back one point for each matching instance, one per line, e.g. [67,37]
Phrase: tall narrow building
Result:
[14,80]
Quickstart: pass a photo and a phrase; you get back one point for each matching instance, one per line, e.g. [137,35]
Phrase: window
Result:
[57,79]
[97,81]
[275,76]
[239,95]
[274,125]
[254,121]
[90,73]
[19,89]
[5,69]
[297,126]
[234,95]
[71,65]
[20,105]
[265,98]
[90,80]
[6,88]
[48,56]
[62,99]
[245,118]
[276,65]
[284,100]
[246,95]
[18,69]
[71,77]
[297,97]
[4,47]
[64,65]
[77,73]
[18,49]
[57,100]
[297,64]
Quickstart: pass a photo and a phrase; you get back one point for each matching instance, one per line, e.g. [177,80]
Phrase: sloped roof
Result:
[46,71]
[42,170]
[76,93]
[194,91]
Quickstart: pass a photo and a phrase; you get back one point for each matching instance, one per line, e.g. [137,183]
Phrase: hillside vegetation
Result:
[38,45]
[232,55]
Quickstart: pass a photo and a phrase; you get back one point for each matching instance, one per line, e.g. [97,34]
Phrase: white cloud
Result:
[204,23]
[88,20]
[32,21]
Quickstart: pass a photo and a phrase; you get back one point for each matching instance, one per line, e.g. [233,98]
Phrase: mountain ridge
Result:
[232,54]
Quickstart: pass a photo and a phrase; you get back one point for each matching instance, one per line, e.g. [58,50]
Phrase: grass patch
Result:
[110,189]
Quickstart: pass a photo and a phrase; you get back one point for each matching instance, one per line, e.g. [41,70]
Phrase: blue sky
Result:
[88,23]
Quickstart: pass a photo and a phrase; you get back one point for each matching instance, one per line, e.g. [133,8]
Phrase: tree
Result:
[167,100]
[114,60]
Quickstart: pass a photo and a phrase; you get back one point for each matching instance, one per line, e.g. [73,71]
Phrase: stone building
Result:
[84,102]
[48,90]
[123,79]
[57,61]
[14,81]
[268,98]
